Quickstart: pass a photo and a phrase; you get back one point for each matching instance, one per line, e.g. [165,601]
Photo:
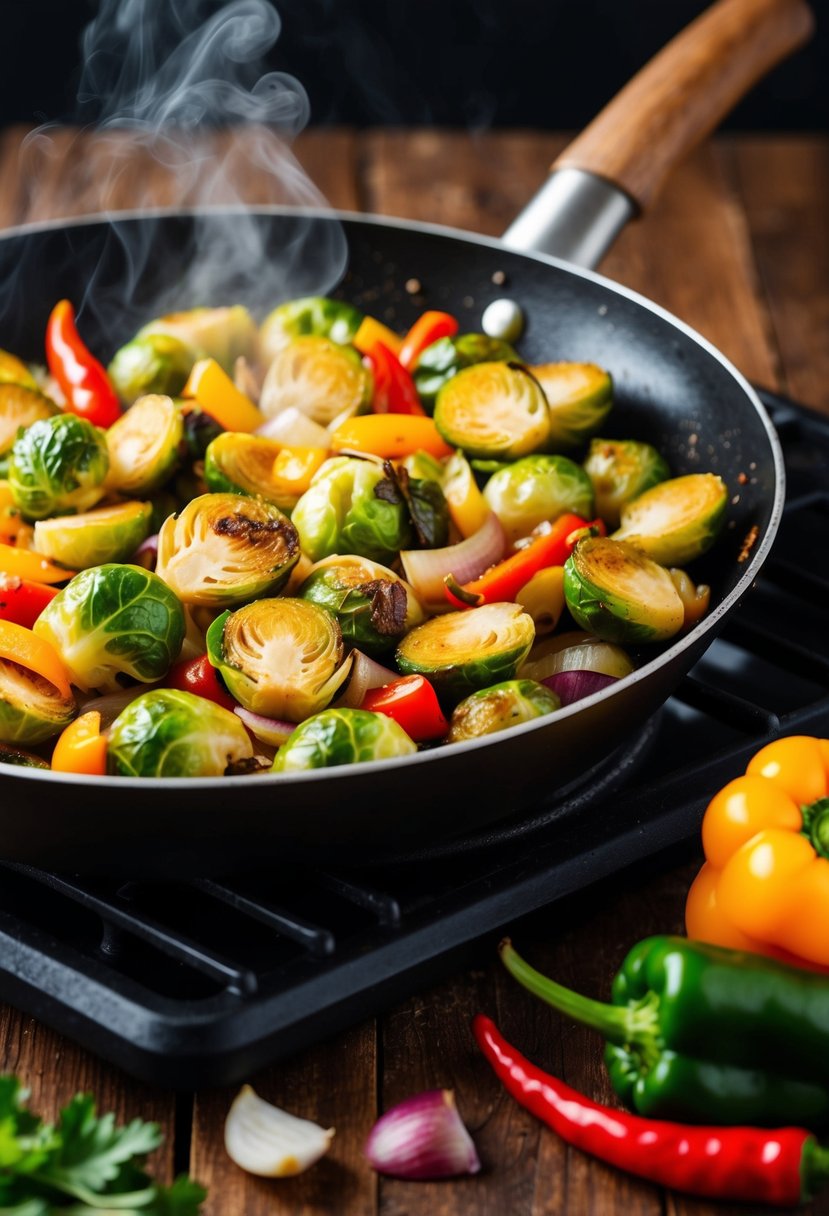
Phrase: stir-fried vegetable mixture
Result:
[318,542]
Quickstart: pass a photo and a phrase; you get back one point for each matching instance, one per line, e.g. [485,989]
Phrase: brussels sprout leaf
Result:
[425,503]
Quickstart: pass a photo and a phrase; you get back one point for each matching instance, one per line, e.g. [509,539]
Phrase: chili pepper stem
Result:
[635,1025]
[814,1169]
[816,825]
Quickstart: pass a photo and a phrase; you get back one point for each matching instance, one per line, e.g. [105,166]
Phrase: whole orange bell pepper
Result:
[765,883]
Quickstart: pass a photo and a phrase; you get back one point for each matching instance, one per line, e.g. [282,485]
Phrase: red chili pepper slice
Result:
[394,390]
[82,378]
[197,676]
[22,600]
[413,704]
[426,330]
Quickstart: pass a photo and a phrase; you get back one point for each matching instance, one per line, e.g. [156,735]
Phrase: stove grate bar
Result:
[770,644]
[810,585]
[727,707]
[384,907]
[318,940]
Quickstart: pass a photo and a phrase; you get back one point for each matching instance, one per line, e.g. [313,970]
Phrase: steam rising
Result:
[205,129]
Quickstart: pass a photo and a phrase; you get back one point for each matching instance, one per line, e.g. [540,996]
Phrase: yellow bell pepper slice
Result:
[372,331]
[543,598]
[20,645]
[467,506]
[211,387]
[15,371]
[25,563]
[11,521]
[390,436]
[81,748]
[294,467]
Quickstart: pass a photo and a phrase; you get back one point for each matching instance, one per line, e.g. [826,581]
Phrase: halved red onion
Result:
[270,730]
[366,673]
[583,653]
[426,569]
[146,554]
[570,686]
[422,1137]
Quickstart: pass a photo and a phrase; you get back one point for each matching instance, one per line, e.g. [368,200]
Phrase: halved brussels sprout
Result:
[677,520]
[464,651]
[167,733]
[324,380]
[15,371]
[239,463]
[31,708]
[614,591]
[493,410]
[20,406]
[279,657]
[342,736]
[535,489]
[579,396]
[222,550]
[316,315]
[217,333]
[21,759]
[154,363]
[111,621]
[506,704]
[107,534]
[621,470]
[145,445]
[442,360]
[343,512]
[373,605]
[58,466]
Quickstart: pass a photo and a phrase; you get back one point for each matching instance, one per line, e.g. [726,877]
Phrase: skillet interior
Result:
[671,389]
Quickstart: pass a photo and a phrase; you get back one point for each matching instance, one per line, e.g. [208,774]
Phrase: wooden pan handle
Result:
[684,92]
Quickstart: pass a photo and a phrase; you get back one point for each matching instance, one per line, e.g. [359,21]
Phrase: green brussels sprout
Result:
[31,708]
[535,489]
[145,445]
[493,410]
[154,363]
[677,520]
[279,657]
[58,467]
[167,733]
[506,704]
[442,360]
[107,534]
[222,334]
[579,396]
[373,605]
[20,406]
[342,736]
[318,377]
[461,652]
[617,593]
[222,550]
[621,470]
[111,621]
[16,756]
[315,315]
[237,463]
[343,512]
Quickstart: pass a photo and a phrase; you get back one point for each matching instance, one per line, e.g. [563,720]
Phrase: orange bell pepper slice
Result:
[20,645]
[426,330]
[391,436]
[372,331]
[211,386]
[25,563]
[81,748]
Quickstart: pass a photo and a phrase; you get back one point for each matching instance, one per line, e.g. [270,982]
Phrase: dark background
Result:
[476,63]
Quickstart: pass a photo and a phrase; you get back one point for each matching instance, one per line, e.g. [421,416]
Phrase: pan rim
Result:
[404,763]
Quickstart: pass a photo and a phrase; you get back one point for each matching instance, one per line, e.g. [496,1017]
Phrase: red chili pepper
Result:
[22,600]
[82,378]
[426,330]
[197,676]
[413,704]
[783,1167]
[394,390]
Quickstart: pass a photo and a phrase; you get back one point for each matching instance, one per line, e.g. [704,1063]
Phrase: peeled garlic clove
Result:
[423,1137]
[265,1140]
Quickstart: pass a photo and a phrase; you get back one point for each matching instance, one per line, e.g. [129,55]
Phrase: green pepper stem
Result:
[814,1169]
[816,825]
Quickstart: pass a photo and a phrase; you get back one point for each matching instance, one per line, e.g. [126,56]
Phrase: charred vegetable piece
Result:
[312,315]
[493,410]
[16,756]
[506,704]
[352,507]
[579,396]
[342,736]
[20,406]
[222,334]
[114,621]
[443,359]
[200,429]
[58,466]
[248,464]
[616,592]
[677,520]
[145,445]
[154,363]
[373,605]
[107,534]
[621,470]
[462,652]
[223,549]
[168,733]
[279,657]
[535,489]
[324,380]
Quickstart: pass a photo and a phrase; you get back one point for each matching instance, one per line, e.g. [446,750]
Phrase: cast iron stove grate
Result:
[204,981]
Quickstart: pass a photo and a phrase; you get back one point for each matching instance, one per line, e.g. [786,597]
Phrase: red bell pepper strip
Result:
[426,330]
[502,582]
[413,704]
[22,600]
[82,378]
[197,676]
[394,390]
[782,1166]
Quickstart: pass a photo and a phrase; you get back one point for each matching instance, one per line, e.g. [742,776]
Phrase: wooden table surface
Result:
[739,248]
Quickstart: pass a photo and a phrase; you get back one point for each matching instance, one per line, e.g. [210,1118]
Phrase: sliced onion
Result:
[573,685]
[146,554]
[267,1141]
[586,654]
[110,705]
[365,674]
[426,569]
[292,427]
[269,730]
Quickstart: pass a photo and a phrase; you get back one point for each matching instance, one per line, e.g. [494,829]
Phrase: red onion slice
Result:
[146,554]
[572,686]
[426,569]
[268,730]
[365,674]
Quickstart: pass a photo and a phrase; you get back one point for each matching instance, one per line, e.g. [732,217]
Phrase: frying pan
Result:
[672,389]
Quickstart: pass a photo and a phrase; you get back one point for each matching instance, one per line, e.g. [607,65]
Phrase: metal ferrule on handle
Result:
[575,215]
